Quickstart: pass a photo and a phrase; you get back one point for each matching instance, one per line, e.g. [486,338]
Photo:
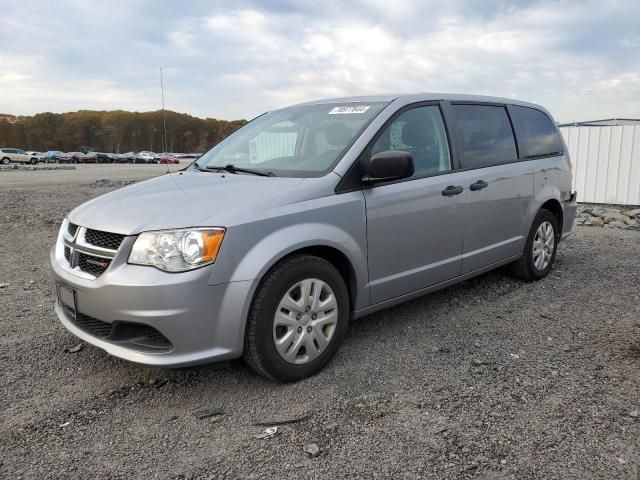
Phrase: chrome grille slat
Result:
[72,228]
[89,251]
[106,240]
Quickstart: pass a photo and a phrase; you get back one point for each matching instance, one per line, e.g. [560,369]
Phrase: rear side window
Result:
[536,133]
[486,136]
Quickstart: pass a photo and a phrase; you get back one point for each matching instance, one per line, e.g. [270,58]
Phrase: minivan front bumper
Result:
[200,322]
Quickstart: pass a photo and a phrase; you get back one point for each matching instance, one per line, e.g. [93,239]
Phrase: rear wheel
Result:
[297,320]
[6,160]
[540,249]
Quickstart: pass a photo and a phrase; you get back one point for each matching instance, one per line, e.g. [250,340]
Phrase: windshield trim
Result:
[309,173]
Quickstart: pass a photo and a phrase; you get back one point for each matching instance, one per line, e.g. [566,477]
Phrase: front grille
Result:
[67,254]
[135,335]
[91,325]
[154,337]
[72,228]
[100,239]
[93,265]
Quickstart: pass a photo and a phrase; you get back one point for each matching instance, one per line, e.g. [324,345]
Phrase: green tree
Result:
[113,131]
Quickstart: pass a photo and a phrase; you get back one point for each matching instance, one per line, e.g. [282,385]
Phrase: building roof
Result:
[607,122]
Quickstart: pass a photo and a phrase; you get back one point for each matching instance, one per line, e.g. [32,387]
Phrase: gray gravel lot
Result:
[52,174]
[490,379]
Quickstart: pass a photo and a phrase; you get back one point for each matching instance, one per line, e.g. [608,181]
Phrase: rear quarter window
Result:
[537,136]
[485,135]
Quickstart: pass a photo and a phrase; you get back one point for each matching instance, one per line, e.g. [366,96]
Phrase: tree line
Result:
[113,131]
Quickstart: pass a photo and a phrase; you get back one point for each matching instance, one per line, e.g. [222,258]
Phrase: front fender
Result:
[256,262]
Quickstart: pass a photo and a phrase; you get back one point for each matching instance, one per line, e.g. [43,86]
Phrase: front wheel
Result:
[540,248]
[297,320]
[33,161]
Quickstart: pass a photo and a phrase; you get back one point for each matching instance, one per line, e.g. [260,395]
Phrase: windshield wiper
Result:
[233,169]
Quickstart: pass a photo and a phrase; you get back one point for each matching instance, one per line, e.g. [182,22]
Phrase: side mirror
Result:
[389,165]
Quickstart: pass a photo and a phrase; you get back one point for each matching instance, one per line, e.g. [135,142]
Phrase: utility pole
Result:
[164,118]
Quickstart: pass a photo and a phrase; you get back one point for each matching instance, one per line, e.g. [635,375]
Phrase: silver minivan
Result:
[310,216]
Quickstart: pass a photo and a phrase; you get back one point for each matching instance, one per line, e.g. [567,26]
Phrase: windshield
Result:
[302,141]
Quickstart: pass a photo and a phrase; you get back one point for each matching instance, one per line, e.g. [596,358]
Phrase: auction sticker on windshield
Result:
[349,109]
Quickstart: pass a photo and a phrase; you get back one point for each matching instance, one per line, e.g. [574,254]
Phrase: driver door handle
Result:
[479,185]
[452,190]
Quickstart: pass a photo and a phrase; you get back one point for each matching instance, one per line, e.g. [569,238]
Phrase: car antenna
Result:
[164,120]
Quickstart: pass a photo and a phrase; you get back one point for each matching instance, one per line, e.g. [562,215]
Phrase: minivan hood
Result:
[188,199]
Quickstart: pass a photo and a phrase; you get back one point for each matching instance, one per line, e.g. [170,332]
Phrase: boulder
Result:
[617,224]
[595,222]
[612,216]
[597,211]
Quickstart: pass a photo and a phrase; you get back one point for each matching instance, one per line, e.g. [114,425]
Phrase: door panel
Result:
[494,214]
[414,234]
[499,188]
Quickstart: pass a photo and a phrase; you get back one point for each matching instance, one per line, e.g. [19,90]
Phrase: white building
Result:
[606,160]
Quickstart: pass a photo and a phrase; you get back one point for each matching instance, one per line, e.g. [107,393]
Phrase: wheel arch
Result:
[336,258]
[549,198]
[554,206]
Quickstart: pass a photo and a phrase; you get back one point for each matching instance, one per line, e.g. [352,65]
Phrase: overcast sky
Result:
[236,59]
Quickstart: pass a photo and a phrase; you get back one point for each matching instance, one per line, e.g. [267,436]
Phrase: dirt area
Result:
[81,174]
[491,379]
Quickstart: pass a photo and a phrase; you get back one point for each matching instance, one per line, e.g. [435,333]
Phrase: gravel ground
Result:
[491,379]
[54,174]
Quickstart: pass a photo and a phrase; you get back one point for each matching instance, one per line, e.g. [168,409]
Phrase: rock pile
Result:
[609,216]
[31,168]
[105,182]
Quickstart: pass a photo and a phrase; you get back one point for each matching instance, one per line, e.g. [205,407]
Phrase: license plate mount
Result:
[67,298]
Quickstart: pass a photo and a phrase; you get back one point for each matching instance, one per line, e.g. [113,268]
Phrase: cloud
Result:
[237,59]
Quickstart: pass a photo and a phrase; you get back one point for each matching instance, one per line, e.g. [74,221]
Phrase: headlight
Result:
[177,250]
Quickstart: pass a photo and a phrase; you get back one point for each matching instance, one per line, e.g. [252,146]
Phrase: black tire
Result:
[33,161]
[6,161]
[260,352]
[525,268]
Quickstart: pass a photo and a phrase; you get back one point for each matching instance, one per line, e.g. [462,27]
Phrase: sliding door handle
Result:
[452,190]
[479,185]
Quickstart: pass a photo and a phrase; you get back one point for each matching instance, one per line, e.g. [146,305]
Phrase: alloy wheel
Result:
[543,245]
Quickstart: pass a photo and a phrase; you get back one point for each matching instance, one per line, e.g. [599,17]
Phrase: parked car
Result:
[310,216]
[52,156]
[148,157]
[39,155]
[63,157]
[79,157]
[124,157]
[8,155]
[102,157]
[166,158]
